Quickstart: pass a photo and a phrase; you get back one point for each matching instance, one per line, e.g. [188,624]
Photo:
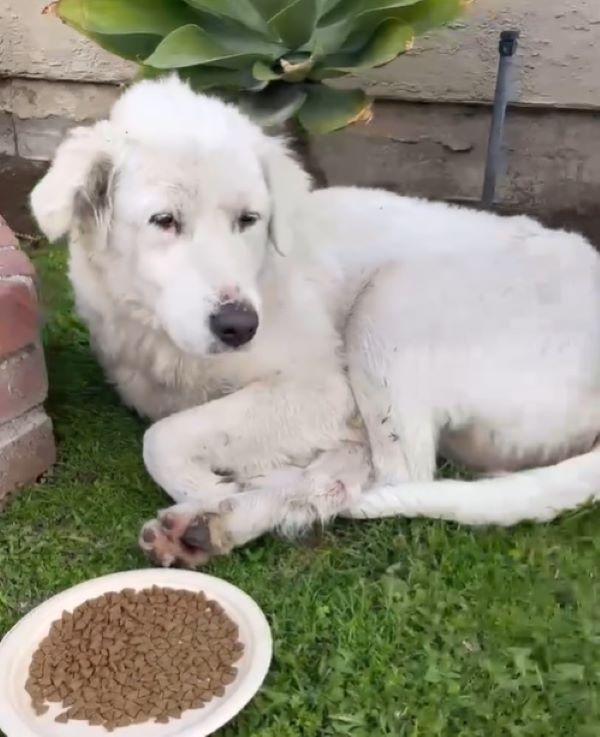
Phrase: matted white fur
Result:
[453,331]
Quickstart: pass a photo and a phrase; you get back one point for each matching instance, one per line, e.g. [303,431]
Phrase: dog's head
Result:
[176,200]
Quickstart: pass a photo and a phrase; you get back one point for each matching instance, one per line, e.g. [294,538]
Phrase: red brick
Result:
[23,383]
[14,262]
[26,450]
[7,237]
[19,319]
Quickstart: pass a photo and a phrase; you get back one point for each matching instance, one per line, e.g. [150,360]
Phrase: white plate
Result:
[17,718]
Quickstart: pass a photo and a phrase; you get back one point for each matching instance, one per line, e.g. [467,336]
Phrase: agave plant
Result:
[271,55]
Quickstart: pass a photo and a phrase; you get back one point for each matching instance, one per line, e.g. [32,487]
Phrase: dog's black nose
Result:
[235,323]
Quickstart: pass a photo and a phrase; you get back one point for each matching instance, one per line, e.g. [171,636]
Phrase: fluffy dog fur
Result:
[453,331]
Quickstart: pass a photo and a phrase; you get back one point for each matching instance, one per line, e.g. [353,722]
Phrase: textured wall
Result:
[439,151]
[34,45]
[560,53]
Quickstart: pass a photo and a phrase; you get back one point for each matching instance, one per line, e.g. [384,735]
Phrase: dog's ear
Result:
[76,190]
[288,183]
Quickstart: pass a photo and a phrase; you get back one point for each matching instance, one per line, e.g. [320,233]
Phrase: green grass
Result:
[410,629]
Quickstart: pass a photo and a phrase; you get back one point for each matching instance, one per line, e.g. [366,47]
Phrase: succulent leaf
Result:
[275,105]
[328,109]
[191,45]
[242,11]
[389,40]
[270,55]
[295,22]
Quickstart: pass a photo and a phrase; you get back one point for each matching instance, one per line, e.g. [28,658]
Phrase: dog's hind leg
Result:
[401,431]
[390,379]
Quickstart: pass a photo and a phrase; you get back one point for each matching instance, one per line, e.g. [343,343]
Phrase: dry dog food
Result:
[130,657]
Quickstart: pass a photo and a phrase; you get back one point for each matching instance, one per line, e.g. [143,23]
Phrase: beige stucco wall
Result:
[560,53]
[36,45]
[559,56]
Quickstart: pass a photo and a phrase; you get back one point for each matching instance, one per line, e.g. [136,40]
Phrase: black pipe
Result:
[506,48]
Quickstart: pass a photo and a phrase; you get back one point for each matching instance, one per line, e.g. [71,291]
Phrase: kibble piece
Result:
[227,678]
[132,657]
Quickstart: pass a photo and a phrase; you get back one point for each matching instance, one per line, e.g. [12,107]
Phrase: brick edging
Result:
[26,439]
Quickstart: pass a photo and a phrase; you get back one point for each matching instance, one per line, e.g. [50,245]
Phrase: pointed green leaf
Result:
[331,39]
[154,17]
[295,22]
[238,37]
[207,77]
[422,15]
[274,105]
[430,14]
[131,30]
[346,9]
[132,46]
[390,39]
[351,29]
[144,72]
[242,11]
[268,8]
[191,45]
[263,71]
[327,109]
[350,24]
[327,5]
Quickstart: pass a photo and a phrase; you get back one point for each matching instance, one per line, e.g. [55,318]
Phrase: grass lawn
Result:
[403,628]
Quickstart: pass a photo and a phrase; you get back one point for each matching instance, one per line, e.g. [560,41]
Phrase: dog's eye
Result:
[165,221]
[247,219]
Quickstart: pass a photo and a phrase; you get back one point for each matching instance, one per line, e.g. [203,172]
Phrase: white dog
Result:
[250,317]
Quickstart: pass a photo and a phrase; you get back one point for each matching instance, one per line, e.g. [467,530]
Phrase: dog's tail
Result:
[537,495]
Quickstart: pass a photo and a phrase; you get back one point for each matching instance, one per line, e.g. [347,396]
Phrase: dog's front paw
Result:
[184,536]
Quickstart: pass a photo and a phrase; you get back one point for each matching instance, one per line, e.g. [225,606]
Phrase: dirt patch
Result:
[587,223]
[17,178]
